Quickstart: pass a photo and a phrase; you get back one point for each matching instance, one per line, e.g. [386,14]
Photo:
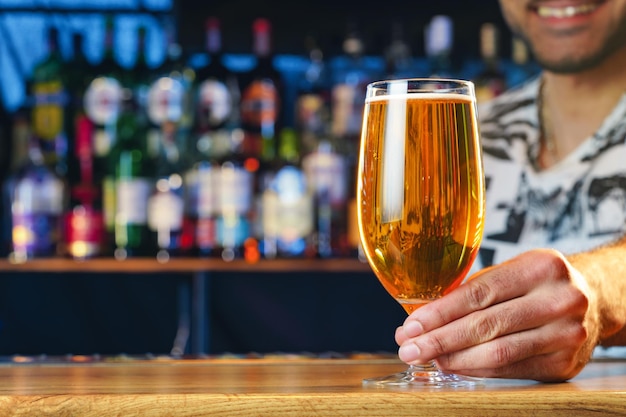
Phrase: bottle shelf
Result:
[184,265]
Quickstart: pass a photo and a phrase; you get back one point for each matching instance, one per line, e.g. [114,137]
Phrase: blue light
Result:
[23,40]
[153,5]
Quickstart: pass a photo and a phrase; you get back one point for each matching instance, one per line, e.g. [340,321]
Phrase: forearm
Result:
[604,269]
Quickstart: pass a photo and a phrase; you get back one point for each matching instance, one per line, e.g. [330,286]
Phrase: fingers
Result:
[472,296]
[487,288]
[538,354]
[527,274]
[522,319]
[517,315]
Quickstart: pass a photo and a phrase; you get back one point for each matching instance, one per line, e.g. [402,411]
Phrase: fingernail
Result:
[413,328]
[409,352]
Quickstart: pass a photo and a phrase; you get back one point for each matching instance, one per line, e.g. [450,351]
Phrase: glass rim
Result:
[430,85]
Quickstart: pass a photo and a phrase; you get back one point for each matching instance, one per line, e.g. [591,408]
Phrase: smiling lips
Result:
[565,11]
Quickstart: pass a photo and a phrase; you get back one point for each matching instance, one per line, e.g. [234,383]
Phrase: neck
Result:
[574,106]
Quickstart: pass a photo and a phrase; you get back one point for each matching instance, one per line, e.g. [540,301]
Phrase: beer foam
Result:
[455,97]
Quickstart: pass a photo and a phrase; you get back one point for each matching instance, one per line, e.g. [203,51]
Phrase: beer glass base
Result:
[423,376]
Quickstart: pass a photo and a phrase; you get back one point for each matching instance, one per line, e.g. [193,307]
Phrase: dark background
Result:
[58,314]
[327,20]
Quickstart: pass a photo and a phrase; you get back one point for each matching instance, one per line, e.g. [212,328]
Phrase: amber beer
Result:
[421,193]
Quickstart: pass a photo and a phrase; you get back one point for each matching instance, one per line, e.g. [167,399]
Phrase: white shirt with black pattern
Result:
[575,205]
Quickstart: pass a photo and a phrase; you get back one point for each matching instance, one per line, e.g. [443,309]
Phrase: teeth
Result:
[569,11]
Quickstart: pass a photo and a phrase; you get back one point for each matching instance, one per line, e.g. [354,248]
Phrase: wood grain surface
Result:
[284,387]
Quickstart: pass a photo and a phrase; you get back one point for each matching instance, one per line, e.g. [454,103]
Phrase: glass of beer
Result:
[420,198]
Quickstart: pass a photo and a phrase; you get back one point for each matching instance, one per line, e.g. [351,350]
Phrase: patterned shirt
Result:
[573,206]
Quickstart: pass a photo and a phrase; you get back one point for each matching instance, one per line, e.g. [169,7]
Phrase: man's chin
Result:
[569,64]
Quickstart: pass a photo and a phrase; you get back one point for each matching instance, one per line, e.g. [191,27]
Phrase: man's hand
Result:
[533,317]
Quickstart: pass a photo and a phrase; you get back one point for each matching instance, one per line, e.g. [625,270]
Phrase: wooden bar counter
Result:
[285,386]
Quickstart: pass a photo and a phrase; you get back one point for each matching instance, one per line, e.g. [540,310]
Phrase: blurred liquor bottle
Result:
[216,92]
[169,114]
[313,98]
[262,106]
[16,135]
[326,172]
[108,64]
[171,235]
[262,96]
[398,56]
[169,90]
[131,162]
[438,46]
[79,74]
[491,79]
[213,139]
[351,76]
[38,202]
[49,98]
[175,67]
[20,137]
[84,222]
[133,171]
[101,102]
[234,237]
[143,82]
[287,204]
